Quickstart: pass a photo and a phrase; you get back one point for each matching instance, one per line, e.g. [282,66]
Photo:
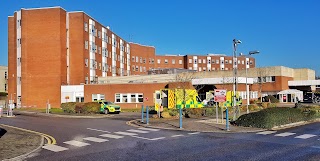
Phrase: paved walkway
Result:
[206,124]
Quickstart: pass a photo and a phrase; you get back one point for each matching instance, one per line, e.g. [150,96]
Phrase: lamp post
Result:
[247,87]
[235,43]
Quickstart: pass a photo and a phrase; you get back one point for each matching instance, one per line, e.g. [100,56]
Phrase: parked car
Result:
[108,106]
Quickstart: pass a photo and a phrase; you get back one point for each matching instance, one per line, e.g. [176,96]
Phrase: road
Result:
[111,139]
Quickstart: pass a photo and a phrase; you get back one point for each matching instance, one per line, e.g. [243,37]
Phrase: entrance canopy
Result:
[290,95]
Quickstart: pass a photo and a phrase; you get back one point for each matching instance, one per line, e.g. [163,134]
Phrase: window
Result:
[99,34]
[118,100]
[133,59]
[137,68]
[99,50]
[79,99]
[124,98]
[190,61]
[239,62]
[251,62]
[200,68]
[226,61]
[86,44]
[273,78]
[86,62]
[180,61]
[152,61]
[226,68]
[86,80]
[140,59]
[137,59]
[173,61]
[190,68]
[159,61]
[242,62]
[144,60]
[213,62]
[86,27]
[204,69]
[140,97]
[230,61]
[133,98]
[140,68]
[213,68]
[165,61]
[204,61]
[217,61]
[199,61]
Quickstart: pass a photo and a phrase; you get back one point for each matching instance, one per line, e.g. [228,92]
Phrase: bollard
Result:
[227,120]
[142,113]
[147,110]
[180,118]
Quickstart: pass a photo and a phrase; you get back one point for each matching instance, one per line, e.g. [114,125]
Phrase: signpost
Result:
[219,96]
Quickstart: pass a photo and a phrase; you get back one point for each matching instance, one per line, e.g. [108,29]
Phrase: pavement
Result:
[203,124]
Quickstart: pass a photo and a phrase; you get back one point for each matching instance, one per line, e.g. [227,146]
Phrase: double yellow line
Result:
[50,139]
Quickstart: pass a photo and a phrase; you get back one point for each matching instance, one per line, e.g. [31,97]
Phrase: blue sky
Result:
[286,32]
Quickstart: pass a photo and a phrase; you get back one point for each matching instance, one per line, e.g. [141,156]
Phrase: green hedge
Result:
[272,117]
[68,107]
[74,107]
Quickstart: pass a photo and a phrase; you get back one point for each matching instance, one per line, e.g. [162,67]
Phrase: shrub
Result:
[271,117]
[165,114]
[91,107]
[68,107]
[193,112]
[271,98]
[272,105]
[79,108]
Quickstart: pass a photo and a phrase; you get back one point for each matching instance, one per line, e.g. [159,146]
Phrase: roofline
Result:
[140,44]
[42,8]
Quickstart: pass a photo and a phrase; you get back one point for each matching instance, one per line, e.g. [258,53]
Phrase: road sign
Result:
[220,95]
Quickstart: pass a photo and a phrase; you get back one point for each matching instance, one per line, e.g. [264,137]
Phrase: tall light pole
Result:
[235,43]
[247,87]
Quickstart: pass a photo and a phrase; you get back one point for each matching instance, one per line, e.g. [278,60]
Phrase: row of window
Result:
[105,38]
[121,97]
[264,79]
[142,69]
[204,61]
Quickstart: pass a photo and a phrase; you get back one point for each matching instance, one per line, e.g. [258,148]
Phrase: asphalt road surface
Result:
[111,139]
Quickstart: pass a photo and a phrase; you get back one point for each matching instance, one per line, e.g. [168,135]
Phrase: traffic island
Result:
[18,144]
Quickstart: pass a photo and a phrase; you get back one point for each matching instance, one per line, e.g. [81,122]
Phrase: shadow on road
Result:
[2,132]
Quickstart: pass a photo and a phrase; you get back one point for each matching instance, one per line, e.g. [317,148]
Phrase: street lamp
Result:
[247,87]
[235,43]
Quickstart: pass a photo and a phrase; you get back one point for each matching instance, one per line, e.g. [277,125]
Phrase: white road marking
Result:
[149,129]
[194,133]
[54,148]
[125,133]
[98,130]
[318,147]
[266,132]
[176,135]
[76,143]
[138,131]
[305,136]
[148,138]
[94,139]
[285,134]
[112,136]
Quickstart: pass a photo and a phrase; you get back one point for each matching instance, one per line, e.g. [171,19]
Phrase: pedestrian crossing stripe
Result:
[54,148]
[125,133]
[94,139]
[305,136]
[112,136]
[266,132]
[138,131]
[76,143]
[148,129]
[285,134]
